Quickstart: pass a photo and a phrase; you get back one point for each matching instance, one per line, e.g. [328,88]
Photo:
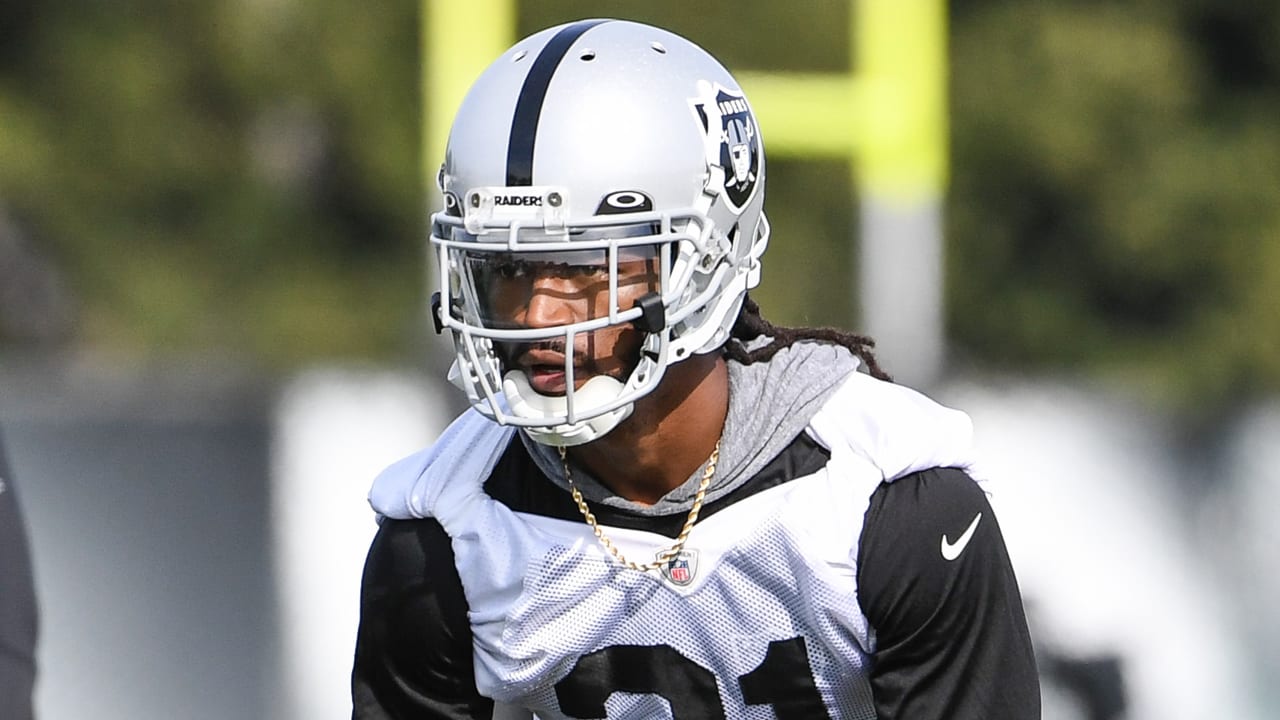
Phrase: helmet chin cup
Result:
[525,402]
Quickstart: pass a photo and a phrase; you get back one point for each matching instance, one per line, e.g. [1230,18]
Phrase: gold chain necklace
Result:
[670,553]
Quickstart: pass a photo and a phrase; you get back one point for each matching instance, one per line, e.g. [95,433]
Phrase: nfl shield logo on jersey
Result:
[680,569]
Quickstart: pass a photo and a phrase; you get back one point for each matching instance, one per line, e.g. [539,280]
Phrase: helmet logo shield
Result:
[732,140]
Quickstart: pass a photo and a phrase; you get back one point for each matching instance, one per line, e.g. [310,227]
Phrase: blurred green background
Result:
[239,182]
[204,192]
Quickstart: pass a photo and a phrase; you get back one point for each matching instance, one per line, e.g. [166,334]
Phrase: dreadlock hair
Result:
[750,325]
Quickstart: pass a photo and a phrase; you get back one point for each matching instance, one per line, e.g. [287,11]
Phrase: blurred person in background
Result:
[660,505]
[17,605]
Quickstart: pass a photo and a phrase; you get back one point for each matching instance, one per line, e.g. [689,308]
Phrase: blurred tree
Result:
[230,178]
[1116,201]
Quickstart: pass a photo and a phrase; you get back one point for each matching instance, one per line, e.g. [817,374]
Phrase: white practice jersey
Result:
[757,618]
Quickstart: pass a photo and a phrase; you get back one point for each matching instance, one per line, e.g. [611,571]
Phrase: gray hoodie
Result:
[770,403]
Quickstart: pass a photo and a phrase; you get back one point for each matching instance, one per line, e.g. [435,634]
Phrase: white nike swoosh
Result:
[950,550]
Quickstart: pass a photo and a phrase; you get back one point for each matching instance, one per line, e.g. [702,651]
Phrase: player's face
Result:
[537,290]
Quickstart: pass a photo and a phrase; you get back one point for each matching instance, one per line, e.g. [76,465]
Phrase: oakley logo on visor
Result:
[624,201]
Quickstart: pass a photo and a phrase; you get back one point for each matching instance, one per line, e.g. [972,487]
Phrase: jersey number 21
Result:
[783,679]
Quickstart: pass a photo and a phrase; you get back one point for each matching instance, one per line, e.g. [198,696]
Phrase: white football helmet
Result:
[603,138]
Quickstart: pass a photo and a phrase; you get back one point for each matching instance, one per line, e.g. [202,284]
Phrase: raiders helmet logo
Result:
[733,140]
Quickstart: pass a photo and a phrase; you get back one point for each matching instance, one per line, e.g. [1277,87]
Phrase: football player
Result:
[660,505]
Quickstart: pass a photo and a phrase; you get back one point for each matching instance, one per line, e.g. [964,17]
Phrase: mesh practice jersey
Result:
[501,596]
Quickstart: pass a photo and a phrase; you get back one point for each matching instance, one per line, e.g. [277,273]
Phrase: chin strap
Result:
[525,402]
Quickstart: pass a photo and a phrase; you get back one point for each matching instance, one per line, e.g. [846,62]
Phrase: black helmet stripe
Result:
[524,126]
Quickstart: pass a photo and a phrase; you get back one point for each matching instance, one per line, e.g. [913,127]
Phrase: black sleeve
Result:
[17,606]
[413,654]
[935,581]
